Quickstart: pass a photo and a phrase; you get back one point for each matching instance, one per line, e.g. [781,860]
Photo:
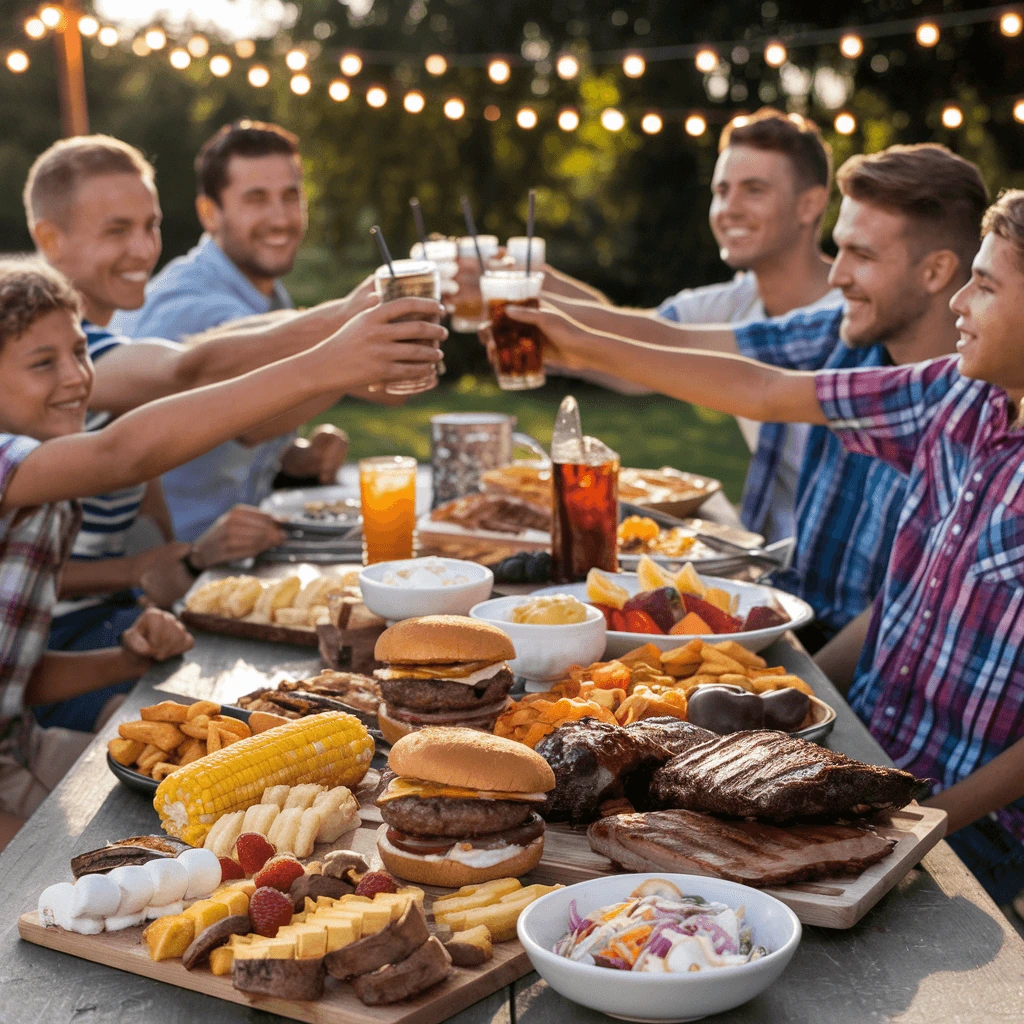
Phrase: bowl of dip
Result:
[413,587]
[662,985]
[554,633]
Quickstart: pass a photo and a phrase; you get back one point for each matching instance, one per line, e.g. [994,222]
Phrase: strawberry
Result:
[279,873]
[719,621]
[254,850]
[230,869]
[269,910]
[374,882]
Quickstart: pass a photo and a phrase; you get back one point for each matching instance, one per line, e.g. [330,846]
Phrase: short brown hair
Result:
[1005,218]
[29,289]
[243,138]
[795,136]
[942,194]
[57,173]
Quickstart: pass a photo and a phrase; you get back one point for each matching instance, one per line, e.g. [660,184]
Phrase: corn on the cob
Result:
[333,749]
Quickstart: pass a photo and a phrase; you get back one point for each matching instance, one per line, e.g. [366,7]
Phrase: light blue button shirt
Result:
[193,293]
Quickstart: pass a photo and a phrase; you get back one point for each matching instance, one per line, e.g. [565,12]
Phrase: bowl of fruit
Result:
[656,606]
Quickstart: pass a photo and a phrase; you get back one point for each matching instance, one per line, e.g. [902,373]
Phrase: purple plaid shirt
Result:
[941,681]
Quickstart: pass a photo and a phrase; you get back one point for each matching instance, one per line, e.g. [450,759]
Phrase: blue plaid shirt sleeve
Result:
[797,341]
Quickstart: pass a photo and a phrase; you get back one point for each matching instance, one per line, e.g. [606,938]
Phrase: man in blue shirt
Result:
[252,208]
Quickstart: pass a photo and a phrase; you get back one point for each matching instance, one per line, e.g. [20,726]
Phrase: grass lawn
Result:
[646,431]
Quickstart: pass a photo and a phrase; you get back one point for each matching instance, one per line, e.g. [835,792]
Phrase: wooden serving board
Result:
[250,630]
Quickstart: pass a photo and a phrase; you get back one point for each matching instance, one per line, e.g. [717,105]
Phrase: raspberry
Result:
[230,869]
[279,873]
[374,882]
[269,910]
[253,851]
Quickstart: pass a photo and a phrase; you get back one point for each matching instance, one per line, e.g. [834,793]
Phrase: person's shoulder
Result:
[14,449]
[724,302]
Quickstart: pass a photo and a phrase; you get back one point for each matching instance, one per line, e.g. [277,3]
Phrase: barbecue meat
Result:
[446,695]
[444,816]
[595,761]
[770,775]
[740,851]
[673,734]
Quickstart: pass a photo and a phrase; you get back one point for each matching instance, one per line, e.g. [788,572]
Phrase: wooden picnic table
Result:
[936,950]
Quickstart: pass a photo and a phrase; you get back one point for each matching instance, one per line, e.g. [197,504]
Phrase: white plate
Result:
[290,506]
[750,595]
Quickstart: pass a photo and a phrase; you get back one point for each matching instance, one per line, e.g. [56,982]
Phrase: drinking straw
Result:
[383,246]
[421,228]
[467,213]
[529,229]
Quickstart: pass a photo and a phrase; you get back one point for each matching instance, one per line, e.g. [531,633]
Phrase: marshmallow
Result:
[95,896]
[170,880]
[116,924]
[165,911]
[55,905]
[85,925]
[136,889]
[203,872]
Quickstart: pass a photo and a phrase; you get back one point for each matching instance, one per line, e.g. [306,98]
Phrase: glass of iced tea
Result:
[469,312]
[387,489]
[518,346]
[411,279]
[517,247]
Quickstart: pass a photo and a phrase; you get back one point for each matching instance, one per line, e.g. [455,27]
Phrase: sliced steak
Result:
[445,694]
[765,774]
[446,816]
[740,851]
[673,734]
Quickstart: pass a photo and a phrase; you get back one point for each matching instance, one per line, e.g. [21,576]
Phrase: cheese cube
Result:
[240,940]
[169,937]
[310,941]
[352,898]
[396,902]
[266,949]
[246,885]
[206,912]
[368,918]
[339,933]
[221,960]
[235,900]
[410,890]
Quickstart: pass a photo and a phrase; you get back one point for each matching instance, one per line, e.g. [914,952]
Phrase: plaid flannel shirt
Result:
[847,504]
[940,683]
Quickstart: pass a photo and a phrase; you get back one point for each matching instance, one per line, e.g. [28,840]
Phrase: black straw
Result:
[421,228]
[383,246]
[529,229]
[467,212]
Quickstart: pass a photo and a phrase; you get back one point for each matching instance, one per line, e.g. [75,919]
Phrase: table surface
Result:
[936,949]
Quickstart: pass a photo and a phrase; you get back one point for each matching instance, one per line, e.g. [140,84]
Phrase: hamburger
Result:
[441,670]
[462,807]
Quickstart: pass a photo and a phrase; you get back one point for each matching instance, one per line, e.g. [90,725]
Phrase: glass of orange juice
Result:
[387,489]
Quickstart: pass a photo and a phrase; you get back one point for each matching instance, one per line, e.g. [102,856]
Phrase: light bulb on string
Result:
[695,125]
[351,64]
[633,66]
[198,46]
[568,120]
[108,36]
[435,64]
[300,84]
[88,26]
[526,117]
[499,72]
[567,67]
[1018,111]
[851,46]
[296,60]
[952,116]
[140,47]
[179,59]
[339,90]
[927,34]
[34,28]
[775,55]
[706,60]
[156,38]
[17,61]
[245,48]
[651,123]
[220,66]
[1011,24]
[613,120]
[376,97]
[492,112]
[454,108]
[414,101]
[258,76]
[51,16]
[845,124]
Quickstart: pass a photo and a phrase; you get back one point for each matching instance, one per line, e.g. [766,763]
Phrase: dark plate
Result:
[143,783]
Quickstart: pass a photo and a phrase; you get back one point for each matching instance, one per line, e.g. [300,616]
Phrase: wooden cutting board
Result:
[268,631]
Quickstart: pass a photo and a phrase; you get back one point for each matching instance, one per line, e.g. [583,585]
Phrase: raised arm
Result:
[556,282]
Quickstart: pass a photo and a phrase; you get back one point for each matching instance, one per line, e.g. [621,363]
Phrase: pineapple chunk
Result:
[206,912]
[721,599]
[652,576]
[340,932]
[688,582]
[169,937]
[235,900]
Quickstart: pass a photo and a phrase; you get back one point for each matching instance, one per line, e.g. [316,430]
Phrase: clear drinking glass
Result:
[417,279]
[469,311]
[516,249]
[445,253]
[519,347]
[387,489]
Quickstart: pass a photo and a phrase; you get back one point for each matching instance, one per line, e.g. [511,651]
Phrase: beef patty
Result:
[446,816]
[445,695]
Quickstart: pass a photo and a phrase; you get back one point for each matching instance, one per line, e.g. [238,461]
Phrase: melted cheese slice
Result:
[399,788]
[468,672]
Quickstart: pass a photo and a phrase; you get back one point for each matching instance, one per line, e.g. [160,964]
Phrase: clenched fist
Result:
[158,635]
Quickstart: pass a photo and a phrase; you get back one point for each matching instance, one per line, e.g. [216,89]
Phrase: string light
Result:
[569,119]
[526,117]
[179,59]
[567,67]
[435,64]
[952,116]
[634,66]
[414,101]
[927,34]
[34,28]
[156,38]
[338,90]
[17,61]
[846,124]
[499,72]
[695,125]
[1018,111]
[300,84]
[51,17]
[140,47]
[454,108]
[492,112]
[612,119]
[775,55]
[296,60]
[108,36]
[851,46]
[245,48]
[88,26]
[220,65]
[651,123]
[376,97]
[351,64]
[1011,24]
[706,61]
[198,46]
[739,121]
[258,76]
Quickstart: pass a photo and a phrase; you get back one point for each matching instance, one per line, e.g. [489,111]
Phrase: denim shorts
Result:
[994,855]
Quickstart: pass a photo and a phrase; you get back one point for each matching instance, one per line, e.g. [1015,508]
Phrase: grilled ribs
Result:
[740,851]
[770,775]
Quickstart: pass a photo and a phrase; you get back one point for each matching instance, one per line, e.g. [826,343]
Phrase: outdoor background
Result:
[625,211]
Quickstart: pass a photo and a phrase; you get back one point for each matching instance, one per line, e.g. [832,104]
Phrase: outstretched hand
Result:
[565,340]
[158,635]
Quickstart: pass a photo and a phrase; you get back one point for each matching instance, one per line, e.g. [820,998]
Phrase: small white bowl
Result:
[658,997]
[545,653]
[395,603]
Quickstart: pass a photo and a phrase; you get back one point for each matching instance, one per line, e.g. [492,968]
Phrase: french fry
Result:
[191,751]
[731,649]
[197,728]
[228,724]
[481,894]
[212,738]
[165,711]
[500,918]
[150,756]
[162,769]
[242,597]
[201,707]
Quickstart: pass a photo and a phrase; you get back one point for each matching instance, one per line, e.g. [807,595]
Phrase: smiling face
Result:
[991,345]
[260,218]
[45,378]
[755,207]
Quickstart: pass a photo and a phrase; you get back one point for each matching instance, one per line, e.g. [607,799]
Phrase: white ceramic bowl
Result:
[750,595]
[545,653]
[394,603]
[658,997]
